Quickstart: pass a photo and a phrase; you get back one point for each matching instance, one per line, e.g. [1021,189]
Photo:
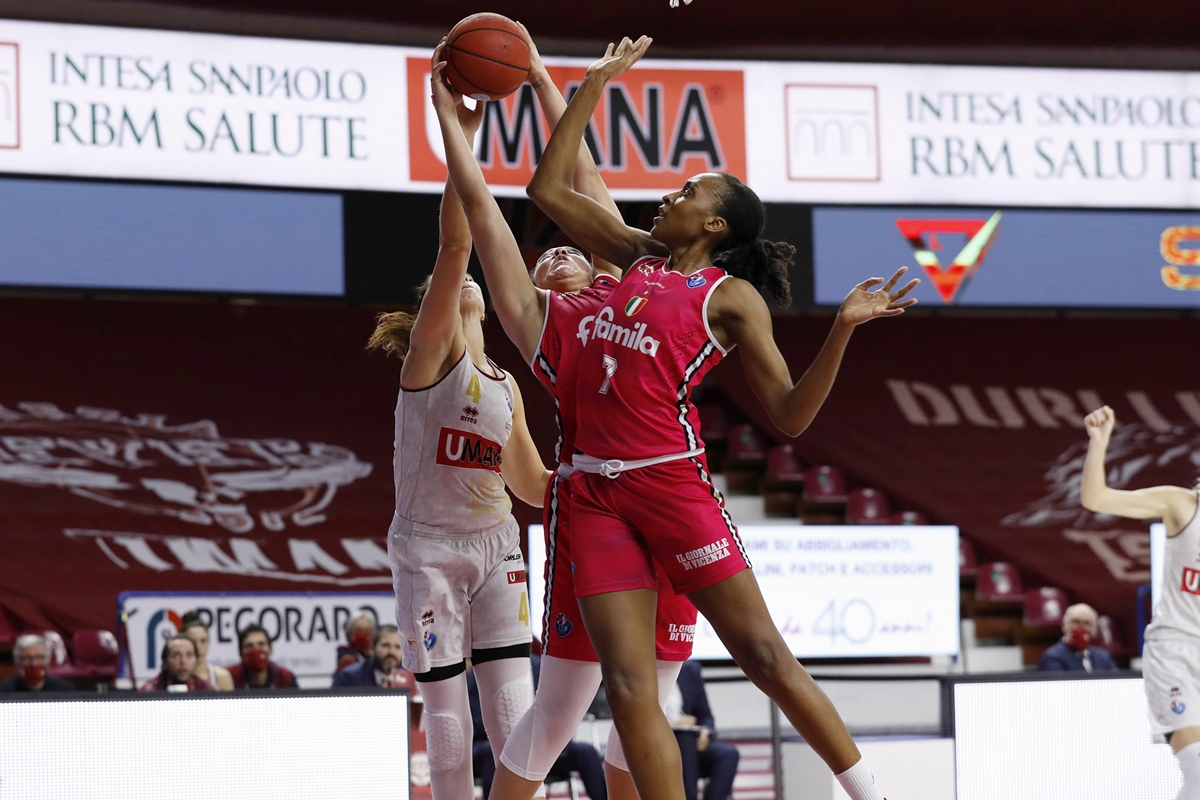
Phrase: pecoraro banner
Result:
[173,106]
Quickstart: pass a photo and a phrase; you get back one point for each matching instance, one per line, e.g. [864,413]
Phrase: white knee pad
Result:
[564,693]
[445,742]
[668,673]
[510,702]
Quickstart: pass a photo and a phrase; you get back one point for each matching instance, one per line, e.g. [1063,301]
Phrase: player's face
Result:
[256,640]
[181,661]
[387,651]
[562,269]
[199,636]
[470,299]
[685,215]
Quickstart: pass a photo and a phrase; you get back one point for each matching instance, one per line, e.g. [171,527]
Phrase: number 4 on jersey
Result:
[523,609]
[473,390]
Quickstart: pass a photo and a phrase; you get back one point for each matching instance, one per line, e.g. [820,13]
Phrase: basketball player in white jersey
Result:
[1171,658]
[455,550]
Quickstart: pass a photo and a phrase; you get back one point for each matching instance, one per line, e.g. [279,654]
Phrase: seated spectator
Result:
[383,668]
[1074,653]
[197,631]
[179,659]
[578,757]
[257,670]
[703,756]
[31,654]
[360,633]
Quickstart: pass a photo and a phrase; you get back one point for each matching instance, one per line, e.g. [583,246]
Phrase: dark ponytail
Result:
[741,253]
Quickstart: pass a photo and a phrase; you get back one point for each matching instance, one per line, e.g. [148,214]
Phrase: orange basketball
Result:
[486,57]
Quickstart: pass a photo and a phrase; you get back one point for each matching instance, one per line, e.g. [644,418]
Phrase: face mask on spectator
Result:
[33,674]
[1079,639]
[255,660]
[361,640]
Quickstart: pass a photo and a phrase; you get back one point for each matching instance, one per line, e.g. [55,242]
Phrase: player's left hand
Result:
[865,303]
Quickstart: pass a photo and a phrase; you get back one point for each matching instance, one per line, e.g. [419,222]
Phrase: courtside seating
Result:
[1042,623]
[911,518]
[745,456]
[1108,639]
[867,507]
[714,429]
[96,655]
[823,501]
[999,602]
[782,484]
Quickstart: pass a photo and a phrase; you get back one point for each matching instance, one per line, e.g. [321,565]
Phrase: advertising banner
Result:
[838,591]
[993,257]
[305,627]
[175,106]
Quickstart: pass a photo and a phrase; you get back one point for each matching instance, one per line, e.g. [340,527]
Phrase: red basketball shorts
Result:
[563,635]
[666,518]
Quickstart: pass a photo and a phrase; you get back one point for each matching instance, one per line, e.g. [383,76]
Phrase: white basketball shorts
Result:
[1171,669]
[457,592]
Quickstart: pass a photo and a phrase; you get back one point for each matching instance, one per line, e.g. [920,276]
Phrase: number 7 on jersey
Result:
[610,366]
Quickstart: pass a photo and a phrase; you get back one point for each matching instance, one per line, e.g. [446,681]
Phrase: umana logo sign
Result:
[654,127]
[923,234]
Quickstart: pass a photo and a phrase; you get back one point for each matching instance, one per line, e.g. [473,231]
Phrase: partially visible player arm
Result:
[521,466]
[436,341]
[581,218]
[586,179]
[520,306]
[1174,504]
[738,315]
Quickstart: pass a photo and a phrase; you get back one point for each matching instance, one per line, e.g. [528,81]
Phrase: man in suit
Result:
[31,655]
[1074,653]
[578,757]
[382,668]
[703,755]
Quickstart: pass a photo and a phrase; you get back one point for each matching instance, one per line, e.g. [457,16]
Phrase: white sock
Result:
[448,734]
[1189,763]
[859,783]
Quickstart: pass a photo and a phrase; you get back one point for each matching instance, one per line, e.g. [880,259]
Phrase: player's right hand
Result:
[1099,424]
[619,58]
[445,98]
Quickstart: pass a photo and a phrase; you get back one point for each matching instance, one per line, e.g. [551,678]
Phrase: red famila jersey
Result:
[648,345]
[560,349]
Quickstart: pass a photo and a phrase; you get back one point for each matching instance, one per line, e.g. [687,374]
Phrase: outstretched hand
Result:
[619,58]
[1099,424]
[445,97]
[865,303]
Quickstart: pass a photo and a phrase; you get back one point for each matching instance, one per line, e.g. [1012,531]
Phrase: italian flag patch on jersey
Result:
[635,305]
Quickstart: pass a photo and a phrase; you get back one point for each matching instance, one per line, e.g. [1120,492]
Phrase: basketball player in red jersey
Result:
[542,321]
[642,499]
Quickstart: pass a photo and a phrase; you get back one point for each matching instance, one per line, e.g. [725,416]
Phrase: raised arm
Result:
[738,315]
[520,465]
[581,218]
[1175,505]
[436,342]
[586,179]
[518,304]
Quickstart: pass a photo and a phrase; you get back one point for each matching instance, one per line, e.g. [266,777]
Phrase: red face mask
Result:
[1079,639]
[361,641]
[255,660]
[33,674]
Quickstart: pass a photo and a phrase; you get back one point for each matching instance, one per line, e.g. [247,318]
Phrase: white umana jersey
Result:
[1178,611]
[448,442]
